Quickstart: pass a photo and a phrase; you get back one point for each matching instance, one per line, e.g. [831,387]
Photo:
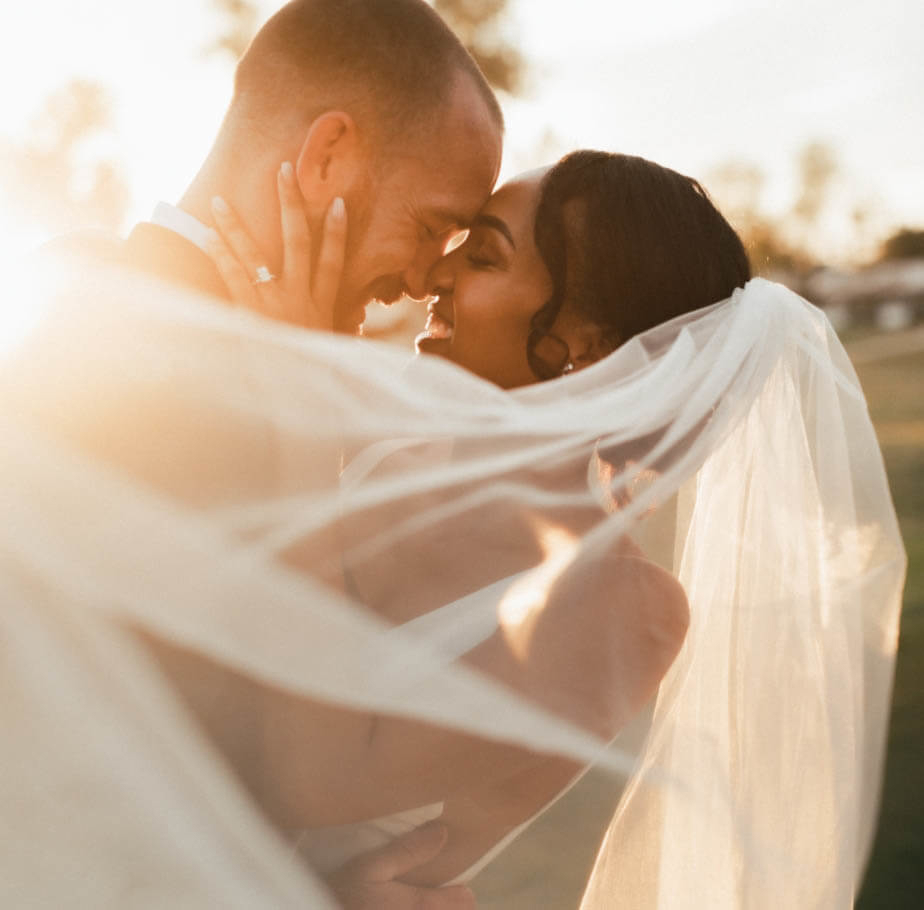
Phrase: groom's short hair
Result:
[393,63]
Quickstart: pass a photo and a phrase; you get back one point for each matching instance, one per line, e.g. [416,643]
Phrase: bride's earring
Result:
[567,368]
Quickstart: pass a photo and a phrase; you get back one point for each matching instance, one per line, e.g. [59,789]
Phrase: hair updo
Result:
[629,244]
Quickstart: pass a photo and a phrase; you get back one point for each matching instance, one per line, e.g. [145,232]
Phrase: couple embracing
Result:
[435,594]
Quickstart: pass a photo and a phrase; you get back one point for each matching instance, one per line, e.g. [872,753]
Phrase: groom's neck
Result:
[250,193]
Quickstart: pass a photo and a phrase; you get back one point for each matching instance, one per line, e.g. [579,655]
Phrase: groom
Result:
[377,103]
[372,101]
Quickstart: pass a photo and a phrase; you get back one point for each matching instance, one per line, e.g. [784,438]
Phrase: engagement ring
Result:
[264,275]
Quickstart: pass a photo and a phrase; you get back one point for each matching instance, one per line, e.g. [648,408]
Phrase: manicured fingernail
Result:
[220,206]
[287,171]
[338,209]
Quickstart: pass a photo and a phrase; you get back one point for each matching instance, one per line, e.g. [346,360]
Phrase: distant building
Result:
[894,315]
[888,295]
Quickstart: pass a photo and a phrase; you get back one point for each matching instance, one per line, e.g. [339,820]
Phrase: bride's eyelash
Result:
[479,262]
[478,254]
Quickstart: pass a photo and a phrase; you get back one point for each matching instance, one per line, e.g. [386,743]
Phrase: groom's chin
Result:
[350,312]
[387,290]
[348,320]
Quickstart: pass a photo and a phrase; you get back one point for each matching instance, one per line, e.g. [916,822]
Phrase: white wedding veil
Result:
[330,521]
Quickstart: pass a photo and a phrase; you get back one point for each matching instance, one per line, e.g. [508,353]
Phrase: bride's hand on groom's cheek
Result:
[301,294]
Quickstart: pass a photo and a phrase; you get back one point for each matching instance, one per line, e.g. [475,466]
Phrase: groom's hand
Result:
[371,881]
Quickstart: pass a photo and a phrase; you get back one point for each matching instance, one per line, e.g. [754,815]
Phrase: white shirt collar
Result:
[182,223]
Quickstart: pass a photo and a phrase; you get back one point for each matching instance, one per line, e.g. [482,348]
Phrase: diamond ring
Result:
[264,275]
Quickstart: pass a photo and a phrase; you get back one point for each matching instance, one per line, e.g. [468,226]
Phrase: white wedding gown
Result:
[165,463]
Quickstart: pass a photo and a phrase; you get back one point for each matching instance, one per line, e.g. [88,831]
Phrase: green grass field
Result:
[895,879]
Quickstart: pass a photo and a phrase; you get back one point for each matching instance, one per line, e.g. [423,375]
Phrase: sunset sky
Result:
[689,83]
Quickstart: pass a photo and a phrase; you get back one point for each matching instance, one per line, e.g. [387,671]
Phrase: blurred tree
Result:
[737,187]
[476,22]
[906,243]
[770,252]
[60,174]
[240,19]
[817,166]
[478,25]
[799,238]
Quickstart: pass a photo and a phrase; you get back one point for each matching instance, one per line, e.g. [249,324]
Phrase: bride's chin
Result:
[427,344]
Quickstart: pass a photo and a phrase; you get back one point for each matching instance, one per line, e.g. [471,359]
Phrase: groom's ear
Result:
[330,160]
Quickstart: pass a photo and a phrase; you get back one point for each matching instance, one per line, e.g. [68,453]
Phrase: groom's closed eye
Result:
[445,223]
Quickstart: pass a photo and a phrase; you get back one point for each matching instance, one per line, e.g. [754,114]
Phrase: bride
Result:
[560,268]
[728,439]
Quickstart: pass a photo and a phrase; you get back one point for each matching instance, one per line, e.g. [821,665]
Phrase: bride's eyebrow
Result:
[492,221]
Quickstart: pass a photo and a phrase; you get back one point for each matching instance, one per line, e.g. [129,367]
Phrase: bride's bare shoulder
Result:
[611,629]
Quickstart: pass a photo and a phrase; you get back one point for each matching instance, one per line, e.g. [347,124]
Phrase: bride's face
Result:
[489,288]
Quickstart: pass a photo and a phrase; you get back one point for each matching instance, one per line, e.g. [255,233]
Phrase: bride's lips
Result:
[437,334]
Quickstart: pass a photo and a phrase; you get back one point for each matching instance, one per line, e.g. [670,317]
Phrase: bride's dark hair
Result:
[629,245]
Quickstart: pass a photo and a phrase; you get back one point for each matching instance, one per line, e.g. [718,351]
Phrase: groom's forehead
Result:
[444,209]
[446,190]
[453,215]
[463,141]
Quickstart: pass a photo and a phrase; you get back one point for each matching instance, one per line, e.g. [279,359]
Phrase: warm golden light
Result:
[693,86]
[19,309]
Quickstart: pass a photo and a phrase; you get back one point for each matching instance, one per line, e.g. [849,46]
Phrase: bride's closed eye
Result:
[479,262]
[481,253]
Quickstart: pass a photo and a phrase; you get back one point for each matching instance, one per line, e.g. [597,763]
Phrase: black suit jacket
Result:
[165,254]
[155,428]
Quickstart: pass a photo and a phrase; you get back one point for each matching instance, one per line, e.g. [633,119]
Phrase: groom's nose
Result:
[416,276]
[440,278]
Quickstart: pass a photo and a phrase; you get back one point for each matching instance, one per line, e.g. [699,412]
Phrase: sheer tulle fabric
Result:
[323,517]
